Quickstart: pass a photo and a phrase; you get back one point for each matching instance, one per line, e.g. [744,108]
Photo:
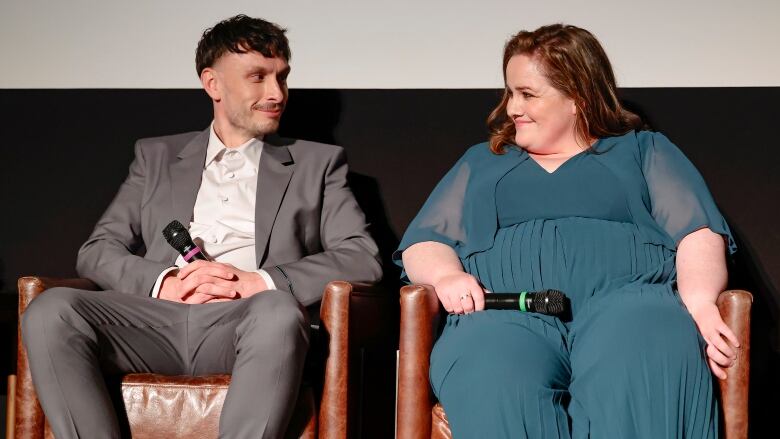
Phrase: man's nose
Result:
[274,90]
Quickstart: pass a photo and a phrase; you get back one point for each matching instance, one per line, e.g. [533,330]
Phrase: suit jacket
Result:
[309,229]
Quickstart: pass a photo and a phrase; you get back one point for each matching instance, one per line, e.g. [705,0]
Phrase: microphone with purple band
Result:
[551,302]
[179,238]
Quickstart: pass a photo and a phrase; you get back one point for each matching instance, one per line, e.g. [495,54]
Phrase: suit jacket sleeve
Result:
[109,257]
[349,253]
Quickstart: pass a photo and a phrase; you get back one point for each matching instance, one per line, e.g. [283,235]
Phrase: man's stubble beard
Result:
[254,128]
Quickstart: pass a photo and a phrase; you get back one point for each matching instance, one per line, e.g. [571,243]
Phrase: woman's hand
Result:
[436,264]
[460,293]
[716,333]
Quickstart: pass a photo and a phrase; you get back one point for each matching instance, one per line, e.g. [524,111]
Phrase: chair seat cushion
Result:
[440,427]
[179,407]
[174,407]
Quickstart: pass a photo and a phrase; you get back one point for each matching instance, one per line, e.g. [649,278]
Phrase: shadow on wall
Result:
[312,115]
[370,199]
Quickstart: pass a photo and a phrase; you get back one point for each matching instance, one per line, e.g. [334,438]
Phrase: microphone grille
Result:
[550,302]
[176,235]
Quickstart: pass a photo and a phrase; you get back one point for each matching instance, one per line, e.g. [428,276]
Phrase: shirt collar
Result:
[251,149]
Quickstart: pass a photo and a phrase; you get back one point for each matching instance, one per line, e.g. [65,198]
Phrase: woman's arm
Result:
[701,276]
[437,264]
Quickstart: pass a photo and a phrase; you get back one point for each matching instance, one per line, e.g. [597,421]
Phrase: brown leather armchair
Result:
[171,407]
[419,416]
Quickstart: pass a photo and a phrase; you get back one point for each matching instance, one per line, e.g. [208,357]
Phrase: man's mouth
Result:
[271,109]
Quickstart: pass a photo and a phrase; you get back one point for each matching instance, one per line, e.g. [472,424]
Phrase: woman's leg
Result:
[502,374]
[638,369]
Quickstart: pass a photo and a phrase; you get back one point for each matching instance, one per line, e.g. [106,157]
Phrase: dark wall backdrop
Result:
[65,152]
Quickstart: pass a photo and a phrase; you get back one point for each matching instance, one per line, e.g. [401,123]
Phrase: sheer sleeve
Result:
[441,217]
[461,210]
[680,200]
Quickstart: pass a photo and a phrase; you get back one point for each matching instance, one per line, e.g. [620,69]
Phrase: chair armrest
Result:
[10,410]
[419,320]
[353,316]
[31,286]
[334,315]
[28,417]
[734,308]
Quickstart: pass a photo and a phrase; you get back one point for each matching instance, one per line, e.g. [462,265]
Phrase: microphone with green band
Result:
[551,302]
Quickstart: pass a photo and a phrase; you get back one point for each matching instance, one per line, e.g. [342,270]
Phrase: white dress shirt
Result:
[223,222]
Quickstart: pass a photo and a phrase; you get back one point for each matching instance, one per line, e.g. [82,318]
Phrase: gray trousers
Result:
[75,339]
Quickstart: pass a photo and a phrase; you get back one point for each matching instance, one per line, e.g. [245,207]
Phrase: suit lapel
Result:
[274,174]
[186,174]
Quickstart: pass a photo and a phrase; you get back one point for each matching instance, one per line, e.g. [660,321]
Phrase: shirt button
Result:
[224,198]
[230,175]
[213,239]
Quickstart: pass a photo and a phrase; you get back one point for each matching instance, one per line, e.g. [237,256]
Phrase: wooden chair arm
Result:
[353,316]
[31,286]
[28,417]
[734,306]
[419,320]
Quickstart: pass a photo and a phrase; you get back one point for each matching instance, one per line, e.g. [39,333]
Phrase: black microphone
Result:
[179,238]
[552,302]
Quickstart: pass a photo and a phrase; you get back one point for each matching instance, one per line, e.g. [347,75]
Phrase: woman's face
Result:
[544,118]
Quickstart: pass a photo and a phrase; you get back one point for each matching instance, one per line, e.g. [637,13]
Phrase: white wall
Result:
[386,44]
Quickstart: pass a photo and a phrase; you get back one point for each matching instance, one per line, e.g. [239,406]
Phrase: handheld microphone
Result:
[179,238]
[552,302]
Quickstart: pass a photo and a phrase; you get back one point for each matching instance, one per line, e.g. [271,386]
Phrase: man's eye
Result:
[527,95]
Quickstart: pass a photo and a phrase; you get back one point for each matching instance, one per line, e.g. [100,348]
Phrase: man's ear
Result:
[210,82]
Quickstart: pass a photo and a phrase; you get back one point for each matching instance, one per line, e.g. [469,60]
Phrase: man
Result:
[275,214]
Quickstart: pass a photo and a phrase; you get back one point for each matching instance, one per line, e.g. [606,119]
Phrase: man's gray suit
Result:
[309,230]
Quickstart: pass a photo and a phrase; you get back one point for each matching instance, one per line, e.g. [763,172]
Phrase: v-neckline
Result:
[557,168]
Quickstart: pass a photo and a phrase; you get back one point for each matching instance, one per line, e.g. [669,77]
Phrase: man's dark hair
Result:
[241,34]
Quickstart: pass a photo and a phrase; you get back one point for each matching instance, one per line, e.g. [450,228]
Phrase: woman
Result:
[570,194]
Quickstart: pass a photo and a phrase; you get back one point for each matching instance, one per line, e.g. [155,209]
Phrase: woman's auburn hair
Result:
[574,62]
